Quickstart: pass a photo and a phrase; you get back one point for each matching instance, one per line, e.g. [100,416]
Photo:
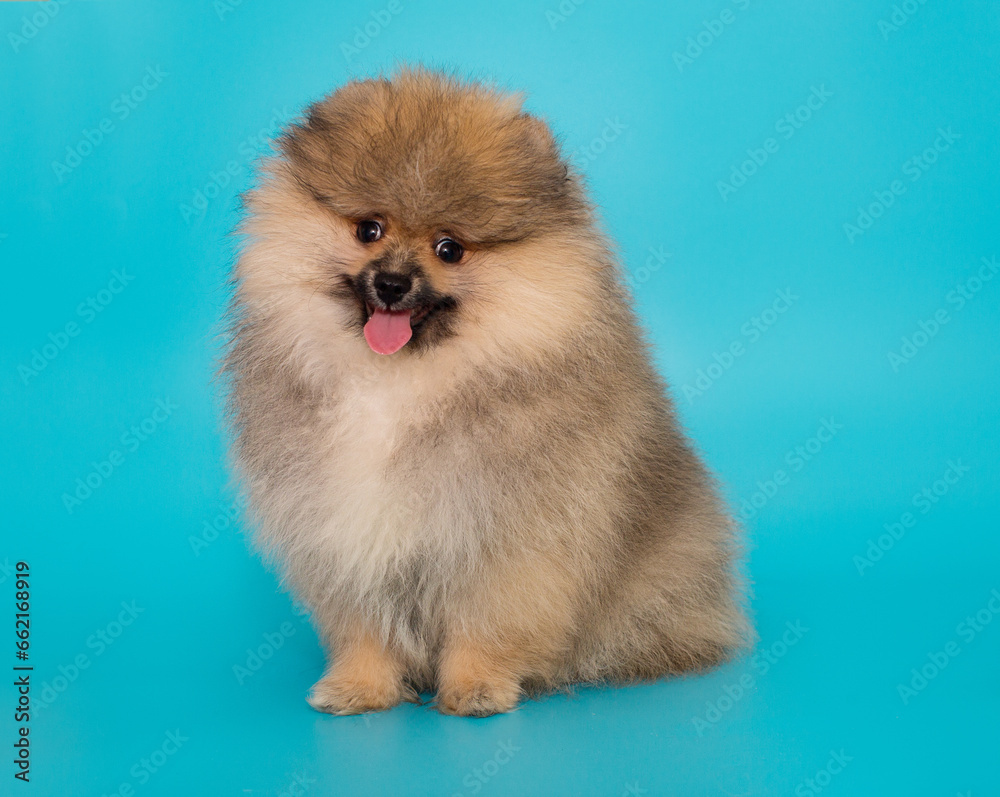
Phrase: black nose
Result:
[391,287]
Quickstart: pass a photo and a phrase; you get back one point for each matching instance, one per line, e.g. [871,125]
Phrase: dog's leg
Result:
[515,626]
[365,676]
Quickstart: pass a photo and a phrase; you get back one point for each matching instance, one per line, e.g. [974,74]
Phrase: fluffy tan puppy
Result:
[445,417]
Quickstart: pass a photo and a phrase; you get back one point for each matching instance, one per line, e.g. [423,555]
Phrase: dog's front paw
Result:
[340,693]
[478,699]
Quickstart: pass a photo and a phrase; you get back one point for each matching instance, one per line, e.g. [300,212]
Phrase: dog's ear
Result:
[538,134]
[541,142]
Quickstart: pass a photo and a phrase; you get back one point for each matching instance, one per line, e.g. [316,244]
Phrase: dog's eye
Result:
[369,231]
[448,250]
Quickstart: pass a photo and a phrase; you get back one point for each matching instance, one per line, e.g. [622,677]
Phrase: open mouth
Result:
[416,315]
[388,328]
[387,331]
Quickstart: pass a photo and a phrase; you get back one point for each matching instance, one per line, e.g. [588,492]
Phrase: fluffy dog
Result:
[446,420]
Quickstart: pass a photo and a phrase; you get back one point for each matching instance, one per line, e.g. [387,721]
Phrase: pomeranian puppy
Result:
[445,418]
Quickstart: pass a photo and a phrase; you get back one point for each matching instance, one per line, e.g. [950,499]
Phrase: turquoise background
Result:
[655,135]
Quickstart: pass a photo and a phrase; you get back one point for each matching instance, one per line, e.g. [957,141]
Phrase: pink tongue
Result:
[387,331]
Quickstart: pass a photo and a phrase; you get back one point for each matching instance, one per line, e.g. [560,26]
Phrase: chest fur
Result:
[391,490]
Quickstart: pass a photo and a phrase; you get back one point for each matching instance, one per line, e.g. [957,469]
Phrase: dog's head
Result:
[407,212]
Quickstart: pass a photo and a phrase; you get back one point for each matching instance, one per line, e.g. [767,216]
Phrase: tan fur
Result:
[507,502]
[477,677]
[515,629]
[366,677]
